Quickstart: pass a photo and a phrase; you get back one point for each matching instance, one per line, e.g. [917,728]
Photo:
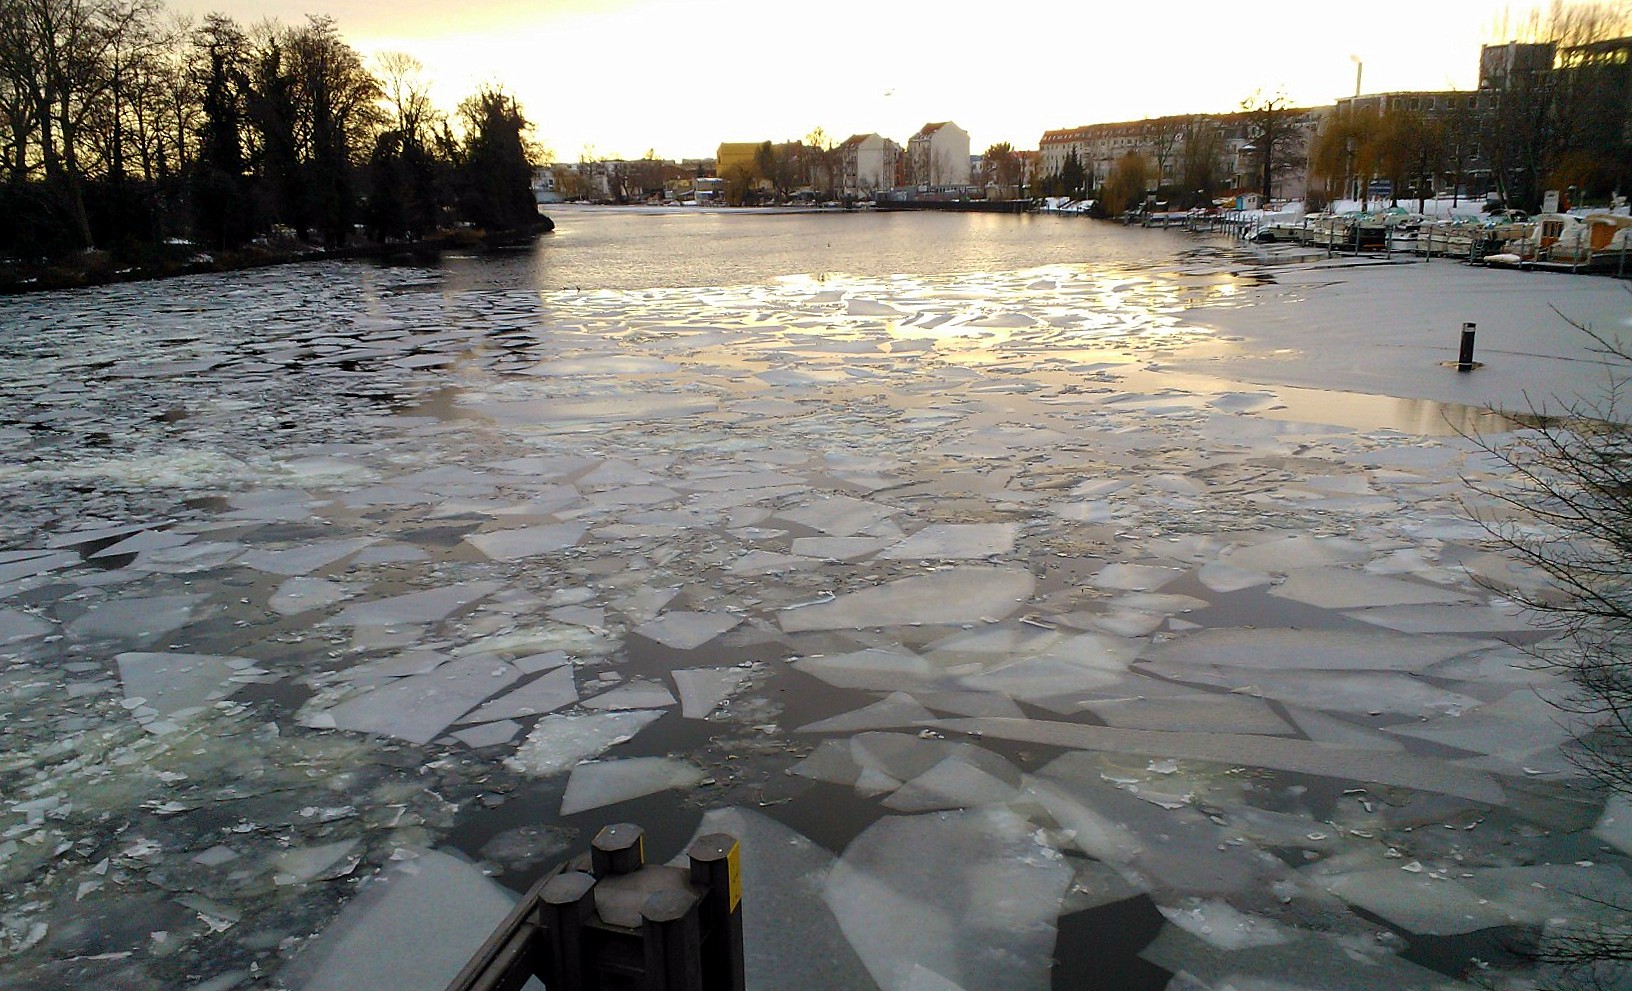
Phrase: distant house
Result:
[867,163]
[737,157]
[938,155]
[544,185]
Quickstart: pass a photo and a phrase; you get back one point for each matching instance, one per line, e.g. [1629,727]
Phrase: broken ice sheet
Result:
[873,668]
[1201,713]
[413,926]
[1217,922]
[703,689]
[634,694]
[524,542]
[419,707]
[558,742]
[594,784]
[1277,753]
[840,516]
[298,595]
[953,541]
[170,683]
[554,690]
[426,606]
[17,625]
[1330,963]
[791,941]
[1133,577]
[688,630]
[1453,619]
[896,709]
[1346,588]
[1289,553]
[969,896]
[966,594]
[305,558]
[302,865]
[1273,649]
[137,619]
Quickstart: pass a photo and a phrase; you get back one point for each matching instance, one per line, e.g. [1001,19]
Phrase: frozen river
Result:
[1042,603]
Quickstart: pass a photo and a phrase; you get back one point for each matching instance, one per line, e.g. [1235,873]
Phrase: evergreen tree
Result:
[495,175]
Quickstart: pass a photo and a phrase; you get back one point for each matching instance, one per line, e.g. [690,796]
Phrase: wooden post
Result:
[716,864]
[670,930]
[618,849]
[565,905]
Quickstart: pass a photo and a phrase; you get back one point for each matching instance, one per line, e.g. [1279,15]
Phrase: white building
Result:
[867,163]
[938,155]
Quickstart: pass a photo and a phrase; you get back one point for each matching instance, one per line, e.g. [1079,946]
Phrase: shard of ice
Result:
[419,707]
[524,542]
[558,742]
[791,941]
[688,630]
[953,541]
[304,558]
[634,694]
[1401,770]
[840,516]
[967,594]
[169,683]
[594,784]
[137,619]
[970,896]
[1346,588]
[896,709]
[554,690]
[703,689]
[409,929]
[298,595]
[1291,649]
[429,605]
[1289,553]
[871,668]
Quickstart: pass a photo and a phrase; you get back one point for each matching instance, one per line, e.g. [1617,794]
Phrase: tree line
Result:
[1562,121]
[122,126]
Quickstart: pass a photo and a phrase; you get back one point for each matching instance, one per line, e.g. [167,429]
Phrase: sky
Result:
[617,78]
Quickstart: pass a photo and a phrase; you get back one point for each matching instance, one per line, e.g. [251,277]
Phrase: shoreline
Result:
[97,267]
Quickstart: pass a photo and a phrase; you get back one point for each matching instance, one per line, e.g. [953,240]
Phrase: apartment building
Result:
[867,164]
[938,155]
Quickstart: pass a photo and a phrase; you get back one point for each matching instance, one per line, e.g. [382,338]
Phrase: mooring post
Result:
[565,905]
[1464,358]
[716,864]
[618,849]
[672,935]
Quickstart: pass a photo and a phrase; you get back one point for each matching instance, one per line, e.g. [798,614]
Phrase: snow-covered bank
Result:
[1388,329]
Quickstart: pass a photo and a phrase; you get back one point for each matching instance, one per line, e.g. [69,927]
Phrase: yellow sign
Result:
[733,870]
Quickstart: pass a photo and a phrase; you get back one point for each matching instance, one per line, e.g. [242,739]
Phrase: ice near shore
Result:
[1007,568]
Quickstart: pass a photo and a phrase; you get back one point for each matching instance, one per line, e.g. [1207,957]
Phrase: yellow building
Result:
[733,155]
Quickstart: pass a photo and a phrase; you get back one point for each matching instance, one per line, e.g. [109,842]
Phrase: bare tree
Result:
[1564,508]
[1277,144]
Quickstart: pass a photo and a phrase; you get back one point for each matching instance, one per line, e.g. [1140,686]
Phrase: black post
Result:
[716,864]
[672,936]
[618,849]
[1464,359]
[565,905]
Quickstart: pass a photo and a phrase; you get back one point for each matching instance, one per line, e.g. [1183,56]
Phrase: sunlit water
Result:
[875,538]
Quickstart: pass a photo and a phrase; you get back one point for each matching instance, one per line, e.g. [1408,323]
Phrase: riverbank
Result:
[176,257]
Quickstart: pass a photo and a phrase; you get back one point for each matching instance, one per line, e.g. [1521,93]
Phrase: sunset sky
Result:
[618,77]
